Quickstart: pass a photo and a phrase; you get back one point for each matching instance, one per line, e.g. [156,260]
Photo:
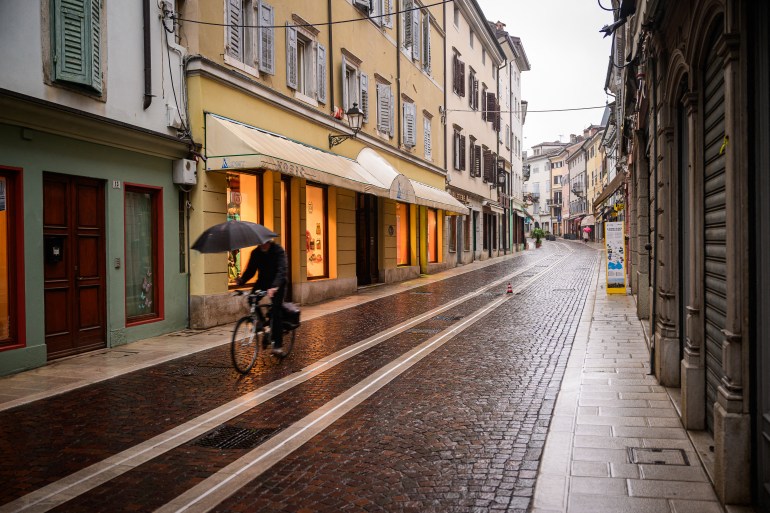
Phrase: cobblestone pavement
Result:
[462,430]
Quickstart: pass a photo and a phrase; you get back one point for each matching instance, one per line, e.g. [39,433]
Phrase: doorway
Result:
[74,264]
[367,270]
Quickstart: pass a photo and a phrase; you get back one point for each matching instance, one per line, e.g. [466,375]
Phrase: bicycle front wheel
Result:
[246,343]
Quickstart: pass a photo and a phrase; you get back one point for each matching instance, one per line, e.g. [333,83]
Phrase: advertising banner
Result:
[614,244]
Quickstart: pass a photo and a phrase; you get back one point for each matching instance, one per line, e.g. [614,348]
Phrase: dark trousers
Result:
[276,317]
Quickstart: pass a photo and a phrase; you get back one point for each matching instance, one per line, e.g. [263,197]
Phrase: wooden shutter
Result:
[291,57]
[392,104]
[426,43]
[345,93]
[365,96]
[321,73]
[77,28]
[383,108]
[408,26]
[364,5]
[234,30]
[410,137]
[415,35]
[427,138]
[462,153]
[387,9]
[462,79]
[455,74]
[96,58]
[456,150]
[266,39]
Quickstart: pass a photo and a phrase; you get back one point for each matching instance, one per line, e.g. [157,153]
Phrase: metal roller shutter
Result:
[715,226]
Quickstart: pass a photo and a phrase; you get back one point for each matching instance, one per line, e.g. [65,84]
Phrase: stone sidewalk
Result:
[615,443]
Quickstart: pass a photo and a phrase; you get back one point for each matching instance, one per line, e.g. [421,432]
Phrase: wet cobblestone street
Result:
[462,429]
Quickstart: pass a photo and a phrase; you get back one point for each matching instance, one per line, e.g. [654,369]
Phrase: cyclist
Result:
[269,259]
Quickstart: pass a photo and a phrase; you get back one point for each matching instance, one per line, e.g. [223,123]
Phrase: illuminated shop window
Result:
[402,234]
[432,235]
[143,262]
[316,232]
[243,204]
[11,259]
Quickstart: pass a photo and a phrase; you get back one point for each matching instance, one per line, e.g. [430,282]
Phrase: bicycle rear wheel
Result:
[246,343]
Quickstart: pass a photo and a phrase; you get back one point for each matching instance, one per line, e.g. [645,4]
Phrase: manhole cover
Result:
[428,331]
[448,317]
[234,437]
[653,456]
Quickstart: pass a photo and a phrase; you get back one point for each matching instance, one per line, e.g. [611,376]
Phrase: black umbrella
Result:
[232,235]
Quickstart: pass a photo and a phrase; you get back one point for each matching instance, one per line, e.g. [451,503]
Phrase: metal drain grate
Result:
[234,437]
[562,290]
[204,370]
[427,331]
[654,456]
[448,317]
[421,292]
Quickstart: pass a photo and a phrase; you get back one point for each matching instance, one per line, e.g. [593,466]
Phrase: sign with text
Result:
[614,244]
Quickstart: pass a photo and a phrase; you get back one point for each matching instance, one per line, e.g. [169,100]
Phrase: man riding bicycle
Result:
[269,259]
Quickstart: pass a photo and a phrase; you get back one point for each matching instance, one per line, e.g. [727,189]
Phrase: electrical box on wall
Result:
[184,172]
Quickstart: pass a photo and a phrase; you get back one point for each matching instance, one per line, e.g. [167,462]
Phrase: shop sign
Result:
[614,244]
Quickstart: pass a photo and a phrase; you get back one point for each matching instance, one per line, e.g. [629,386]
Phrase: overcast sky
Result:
[568,56]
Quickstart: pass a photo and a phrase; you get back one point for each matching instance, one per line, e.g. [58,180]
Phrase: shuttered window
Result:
[77,42]
[291,57]
[387,10]
[410,135]
[365,96]
[266,39]
[458,152]
[384,109]
[427,141]
[364,5]
[406,18]
[321,74]
[458,76]
[235,14]
[426,43]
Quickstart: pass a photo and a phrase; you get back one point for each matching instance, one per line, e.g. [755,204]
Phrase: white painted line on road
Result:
[82,481]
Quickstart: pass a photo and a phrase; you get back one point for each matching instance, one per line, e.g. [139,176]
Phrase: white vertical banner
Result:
[614,244]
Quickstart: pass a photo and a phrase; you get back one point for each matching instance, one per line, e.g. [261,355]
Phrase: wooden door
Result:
[367,269]
[74,264]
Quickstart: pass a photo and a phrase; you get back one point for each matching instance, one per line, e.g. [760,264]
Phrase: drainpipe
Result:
[147,55]
[330,53]
[397,107]
[654,183]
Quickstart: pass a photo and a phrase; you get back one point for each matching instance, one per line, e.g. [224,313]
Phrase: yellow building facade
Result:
[267,91]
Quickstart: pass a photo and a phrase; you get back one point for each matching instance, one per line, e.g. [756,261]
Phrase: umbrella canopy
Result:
[232,235]
[587,229]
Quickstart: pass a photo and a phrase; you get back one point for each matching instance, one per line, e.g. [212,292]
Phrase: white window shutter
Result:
[266,39]
[234,30]
[387,10]
[392,104]
[408,15]
[427,138]
[345,93]
[291,57]
[426,43]
[456,150]
[364,5]
[321,74]
[383,108]
[365,96]
[410,138]
[415,35]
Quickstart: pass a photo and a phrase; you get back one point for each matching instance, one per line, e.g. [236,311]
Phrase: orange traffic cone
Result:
[510,290]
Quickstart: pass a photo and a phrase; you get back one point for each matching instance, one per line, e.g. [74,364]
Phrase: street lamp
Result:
[355,118]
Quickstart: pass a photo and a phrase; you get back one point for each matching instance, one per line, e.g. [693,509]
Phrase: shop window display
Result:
[243,204]
[402,234]
[432,235]
[315,234]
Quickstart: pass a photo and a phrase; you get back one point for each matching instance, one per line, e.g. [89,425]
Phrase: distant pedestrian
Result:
[585,237]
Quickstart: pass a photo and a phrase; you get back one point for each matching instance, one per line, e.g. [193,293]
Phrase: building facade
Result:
[695,134]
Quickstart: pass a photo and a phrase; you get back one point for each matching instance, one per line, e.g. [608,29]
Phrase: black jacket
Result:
[271,265]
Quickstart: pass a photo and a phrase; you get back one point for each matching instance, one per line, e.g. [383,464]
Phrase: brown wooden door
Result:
[367,270]
[74,264]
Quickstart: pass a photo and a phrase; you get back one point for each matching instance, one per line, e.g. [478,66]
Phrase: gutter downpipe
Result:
[397,111]
[147,54]
[330,53]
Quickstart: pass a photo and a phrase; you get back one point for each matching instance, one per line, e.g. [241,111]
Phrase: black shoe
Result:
[278,351]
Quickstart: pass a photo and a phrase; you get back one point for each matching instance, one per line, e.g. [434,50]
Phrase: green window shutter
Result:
[77,42]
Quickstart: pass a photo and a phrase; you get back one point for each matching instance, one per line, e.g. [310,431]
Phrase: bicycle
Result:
[252,332]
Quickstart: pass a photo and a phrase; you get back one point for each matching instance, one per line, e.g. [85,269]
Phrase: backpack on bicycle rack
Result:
[291,315]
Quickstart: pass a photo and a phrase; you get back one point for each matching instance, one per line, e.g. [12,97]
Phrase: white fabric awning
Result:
[436,198]
[231,145]
[589,220]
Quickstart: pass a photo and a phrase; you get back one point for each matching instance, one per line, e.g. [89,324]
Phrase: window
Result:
[11,259]
[473,85]
[458,152]
[452,221]
[410,20]
[457,15]
[458,76]
[472,37]
[77,45]
[244,203]
[485,104]
[240,48]
[316,241]
[305,64]
[427,137]
[508,137]
[483,56]
[266,39]
[410,125]
[556,180]
[426,42]
[467,233]
[144,254]
[384,109]
[475,164]
[402,234]
[351,84]
[381,13]
[432,235]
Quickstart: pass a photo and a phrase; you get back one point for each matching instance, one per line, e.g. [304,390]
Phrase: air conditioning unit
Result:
[184,172]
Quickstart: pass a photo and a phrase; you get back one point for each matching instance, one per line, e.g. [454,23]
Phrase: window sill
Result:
[241,66]
[305,99]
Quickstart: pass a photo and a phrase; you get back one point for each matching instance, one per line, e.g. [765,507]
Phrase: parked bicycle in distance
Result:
[252,332]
